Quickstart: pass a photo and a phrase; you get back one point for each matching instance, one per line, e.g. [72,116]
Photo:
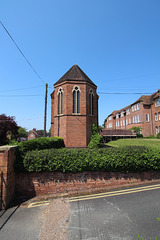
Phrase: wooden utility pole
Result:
[45,110]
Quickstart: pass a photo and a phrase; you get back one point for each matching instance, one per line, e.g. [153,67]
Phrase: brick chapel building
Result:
[74,108]
[144,113]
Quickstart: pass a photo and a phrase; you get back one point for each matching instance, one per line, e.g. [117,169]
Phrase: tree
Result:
[22,132]
[136,129]
[8,128]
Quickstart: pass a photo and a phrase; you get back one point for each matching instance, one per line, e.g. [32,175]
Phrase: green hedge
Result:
[35,144]
[125,159]
[41,143]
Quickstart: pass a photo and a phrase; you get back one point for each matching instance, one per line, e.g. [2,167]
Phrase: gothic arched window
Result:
[60,101]
[91,102]
[76,99]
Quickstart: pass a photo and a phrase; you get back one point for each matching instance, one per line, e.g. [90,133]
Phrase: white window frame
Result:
[133,119]
[157,130]
[147,117]
[133,108]
[156,117]
[110,118]
[122,113]
[139,119]
[138,106]
[136,119]
[128,111]
[126,121]
[117,115]
[121,123]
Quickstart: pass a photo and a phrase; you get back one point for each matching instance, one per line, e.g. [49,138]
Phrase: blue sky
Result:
[115,42]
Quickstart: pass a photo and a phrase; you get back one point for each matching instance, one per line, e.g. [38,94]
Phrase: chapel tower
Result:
[74,108]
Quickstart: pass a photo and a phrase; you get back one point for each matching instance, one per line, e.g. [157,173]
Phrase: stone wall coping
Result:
[6,147]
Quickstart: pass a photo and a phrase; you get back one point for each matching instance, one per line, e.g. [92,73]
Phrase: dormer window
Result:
[156,102]
[122,113]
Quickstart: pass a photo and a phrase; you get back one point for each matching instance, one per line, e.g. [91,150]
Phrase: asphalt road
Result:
[21,223]
[116,215]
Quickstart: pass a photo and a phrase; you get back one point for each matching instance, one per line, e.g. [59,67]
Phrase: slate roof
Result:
[145,99]
[117,132]
[75,73]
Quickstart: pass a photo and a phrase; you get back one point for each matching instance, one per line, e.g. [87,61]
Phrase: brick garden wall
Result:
[34,184]
[7,175]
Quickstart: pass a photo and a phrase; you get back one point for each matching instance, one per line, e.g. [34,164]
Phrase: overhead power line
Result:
[21,95]
[19,89]
[21,52]
[118,93]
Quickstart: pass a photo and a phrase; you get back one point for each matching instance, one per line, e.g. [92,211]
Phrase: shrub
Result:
[124,159]
[139,135]
[41,143]
[95,142]
[158,135]
[35,144]
[151,136]
[96,138]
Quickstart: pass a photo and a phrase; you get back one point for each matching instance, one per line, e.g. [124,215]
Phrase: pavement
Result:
[21,223]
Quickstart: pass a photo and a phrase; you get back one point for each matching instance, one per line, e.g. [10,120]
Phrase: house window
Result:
[157,130]
[110,118]
[91,102]
[122,114]
[76,99]
[117,115]
[60,101]
[156,117]
[133,108]
[133,119]
[118,124]
[130,121]
[147,117]
[137,106]
[128,111]
[123,122]
[157,102]
[159,115]
[139,120]
[126,121]
[110,125]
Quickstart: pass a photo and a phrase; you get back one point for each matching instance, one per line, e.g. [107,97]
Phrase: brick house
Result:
[145,113]
[74,108]
[34,134]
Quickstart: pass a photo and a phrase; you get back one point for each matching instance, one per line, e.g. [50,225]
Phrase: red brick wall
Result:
[75,129]
[34,184]
[7,175]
